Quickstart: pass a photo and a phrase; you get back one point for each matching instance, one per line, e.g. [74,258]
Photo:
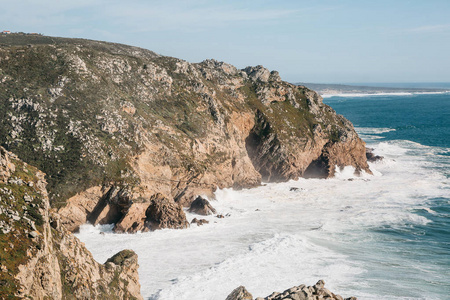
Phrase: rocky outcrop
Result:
[101,118]
[202,206]
[199,222]
[371,156]
[40,258]
[162,212]
[165,213]
[240,293]
[301,292]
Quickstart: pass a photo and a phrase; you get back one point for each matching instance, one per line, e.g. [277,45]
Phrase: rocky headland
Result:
[128,136]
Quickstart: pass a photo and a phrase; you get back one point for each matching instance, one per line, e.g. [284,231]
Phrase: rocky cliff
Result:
[39,258]
[113,125]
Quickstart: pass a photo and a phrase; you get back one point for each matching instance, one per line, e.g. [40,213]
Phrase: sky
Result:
[306,41]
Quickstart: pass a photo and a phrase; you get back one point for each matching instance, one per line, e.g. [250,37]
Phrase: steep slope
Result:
[113,125]
[42,260]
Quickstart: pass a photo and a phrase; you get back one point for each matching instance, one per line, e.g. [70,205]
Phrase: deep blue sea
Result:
[416,255]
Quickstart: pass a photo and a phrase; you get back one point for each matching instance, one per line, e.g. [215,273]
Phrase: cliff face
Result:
[41,259]
[113,125]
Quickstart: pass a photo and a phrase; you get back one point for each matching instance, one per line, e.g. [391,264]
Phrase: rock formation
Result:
[39,258]
[301,292]
[165,213]
[202,206]
[372,157]
[240,293]
[199,222]
[113,125]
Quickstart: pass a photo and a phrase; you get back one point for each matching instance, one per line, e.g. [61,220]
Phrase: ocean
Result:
[380,236]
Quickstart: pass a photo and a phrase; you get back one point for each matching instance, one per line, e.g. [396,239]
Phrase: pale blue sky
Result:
[308,41]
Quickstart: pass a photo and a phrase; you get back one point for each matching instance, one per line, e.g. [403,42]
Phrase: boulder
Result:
[372,157]
[202,206]
[240,293]
[199,222]
[165,213]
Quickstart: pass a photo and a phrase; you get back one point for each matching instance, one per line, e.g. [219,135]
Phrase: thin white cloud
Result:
[431,29]
[178,16]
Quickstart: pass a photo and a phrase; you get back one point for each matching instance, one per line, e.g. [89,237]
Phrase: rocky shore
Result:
[301,292]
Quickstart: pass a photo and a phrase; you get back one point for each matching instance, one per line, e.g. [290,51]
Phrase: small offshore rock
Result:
[202,206]
[199,222]
[372,157]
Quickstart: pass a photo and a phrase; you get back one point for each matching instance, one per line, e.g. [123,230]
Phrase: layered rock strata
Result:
[301,292]
[113,125]
[39,258]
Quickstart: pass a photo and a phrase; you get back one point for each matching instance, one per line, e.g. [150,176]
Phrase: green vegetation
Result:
[16,246]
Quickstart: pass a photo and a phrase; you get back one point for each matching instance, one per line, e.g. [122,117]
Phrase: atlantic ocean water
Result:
[379,236]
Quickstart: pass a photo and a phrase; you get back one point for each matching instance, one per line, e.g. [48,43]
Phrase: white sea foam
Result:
[275,237]
[369,130]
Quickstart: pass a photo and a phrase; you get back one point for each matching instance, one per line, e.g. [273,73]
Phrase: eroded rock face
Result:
[133,220]
[43,260]
[123,118]
[202,206]
[165,213]
[301,292]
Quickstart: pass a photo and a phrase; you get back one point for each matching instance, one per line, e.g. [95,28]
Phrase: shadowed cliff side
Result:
[98,117]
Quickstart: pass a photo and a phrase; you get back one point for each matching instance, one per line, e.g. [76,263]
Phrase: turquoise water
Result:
[421,118]
[412,257]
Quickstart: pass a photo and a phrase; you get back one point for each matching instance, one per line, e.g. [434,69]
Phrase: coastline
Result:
[326,94]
